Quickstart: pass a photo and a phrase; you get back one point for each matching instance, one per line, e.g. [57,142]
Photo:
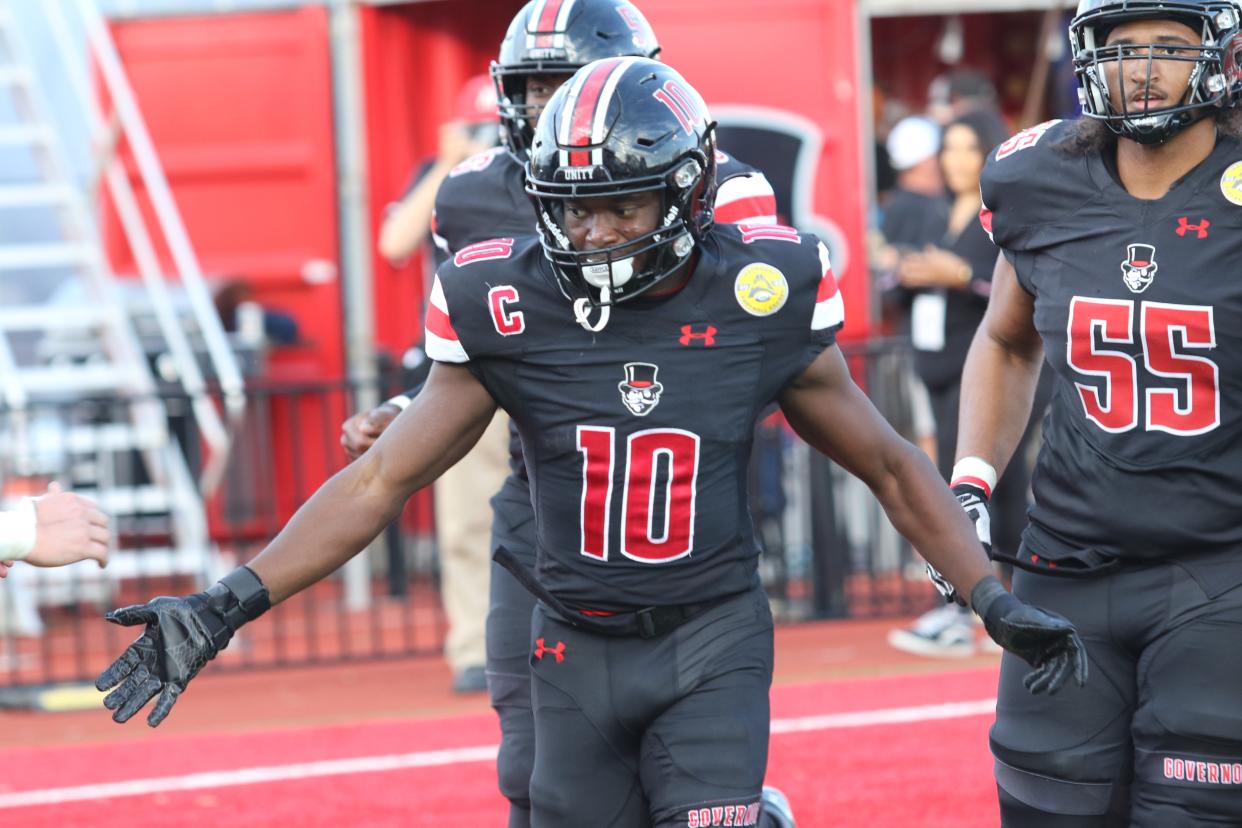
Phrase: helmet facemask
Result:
[517,117]
[1214,81]
[608,276]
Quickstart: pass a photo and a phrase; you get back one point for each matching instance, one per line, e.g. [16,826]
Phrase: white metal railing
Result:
[215,432]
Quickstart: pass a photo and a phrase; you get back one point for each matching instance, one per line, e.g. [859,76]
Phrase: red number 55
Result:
[1169,333]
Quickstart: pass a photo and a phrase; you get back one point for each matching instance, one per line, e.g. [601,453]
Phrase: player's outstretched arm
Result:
[832,414]
[436,430]
[182,634]
[55,529]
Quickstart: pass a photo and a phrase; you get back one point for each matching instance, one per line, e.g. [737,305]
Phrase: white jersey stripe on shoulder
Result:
[825,261]
[828,313]
[599,127]
[829,306]
[743,186]
[444,350]
[437,296]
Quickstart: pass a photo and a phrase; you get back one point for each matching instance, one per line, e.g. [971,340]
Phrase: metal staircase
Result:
[79,400]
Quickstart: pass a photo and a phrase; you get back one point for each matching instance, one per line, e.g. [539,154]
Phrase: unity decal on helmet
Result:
[1139,268]
[761,289]
[1231,183]
[639,390]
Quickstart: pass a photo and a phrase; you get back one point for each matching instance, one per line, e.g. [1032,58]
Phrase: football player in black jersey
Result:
[634,343]
[484,198]
[1120,235]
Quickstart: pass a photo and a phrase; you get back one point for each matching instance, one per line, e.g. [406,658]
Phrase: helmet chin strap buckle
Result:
[582,312]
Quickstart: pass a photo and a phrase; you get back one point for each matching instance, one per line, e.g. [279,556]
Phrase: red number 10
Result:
[1167,332]
[649,534]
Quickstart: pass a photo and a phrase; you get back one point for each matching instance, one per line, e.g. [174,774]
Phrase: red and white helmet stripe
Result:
[545,27]
[584,118]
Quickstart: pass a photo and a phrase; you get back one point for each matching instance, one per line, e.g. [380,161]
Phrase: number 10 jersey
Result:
[637,434]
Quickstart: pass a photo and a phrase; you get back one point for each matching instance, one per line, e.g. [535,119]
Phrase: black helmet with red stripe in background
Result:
[557,38]
[621,126]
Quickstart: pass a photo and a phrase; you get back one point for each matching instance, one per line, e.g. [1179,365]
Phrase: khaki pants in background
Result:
[463,537]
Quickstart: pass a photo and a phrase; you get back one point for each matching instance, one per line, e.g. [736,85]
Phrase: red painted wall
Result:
[240,109]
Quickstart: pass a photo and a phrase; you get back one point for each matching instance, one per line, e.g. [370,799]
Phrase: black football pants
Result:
[661,732]
[1155,738]
[508,648]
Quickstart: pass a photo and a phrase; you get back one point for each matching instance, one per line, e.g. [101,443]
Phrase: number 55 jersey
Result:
[1139,304]
[636,420]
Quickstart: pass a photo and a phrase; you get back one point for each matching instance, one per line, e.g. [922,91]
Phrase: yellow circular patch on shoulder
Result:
[1231,183]
[761,289]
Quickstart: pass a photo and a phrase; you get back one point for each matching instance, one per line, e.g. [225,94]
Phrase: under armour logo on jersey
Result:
[1200,230]
[1138,270]
[542,650]
[705,337]
[639,390]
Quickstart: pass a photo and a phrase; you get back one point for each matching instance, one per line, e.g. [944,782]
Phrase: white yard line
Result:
[437,758]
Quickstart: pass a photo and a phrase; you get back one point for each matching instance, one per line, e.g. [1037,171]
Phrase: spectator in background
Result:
[463,514]
[946,286]
[916,213]
[960,91]
[254,324]
[474,129]
[915,216]
[53,530]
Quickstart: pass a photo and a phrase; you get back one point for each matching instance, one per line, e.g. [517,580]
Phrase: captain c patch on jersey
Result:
[639,390]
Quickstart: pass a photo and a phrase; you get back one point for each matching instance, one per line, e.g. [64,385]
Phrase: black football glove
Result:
[1047,642]
[974,501]
[182,635]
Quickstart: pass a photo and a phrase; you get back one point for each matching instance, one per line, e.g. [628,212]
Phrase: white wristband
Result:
[17,531]
[976,471]
[400,401]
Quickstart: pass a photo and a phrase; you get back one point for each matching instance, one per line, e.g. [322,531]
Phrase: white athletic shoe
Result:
[945,632]
[776,808]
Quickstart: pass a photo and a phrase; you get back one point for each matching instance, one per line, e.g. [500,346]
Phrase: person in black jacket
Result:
[947,287]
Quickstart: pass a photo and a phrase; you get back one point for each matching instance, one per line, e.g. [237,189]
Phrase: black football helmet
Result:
[559,37]
[1215,82]
[619,126]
